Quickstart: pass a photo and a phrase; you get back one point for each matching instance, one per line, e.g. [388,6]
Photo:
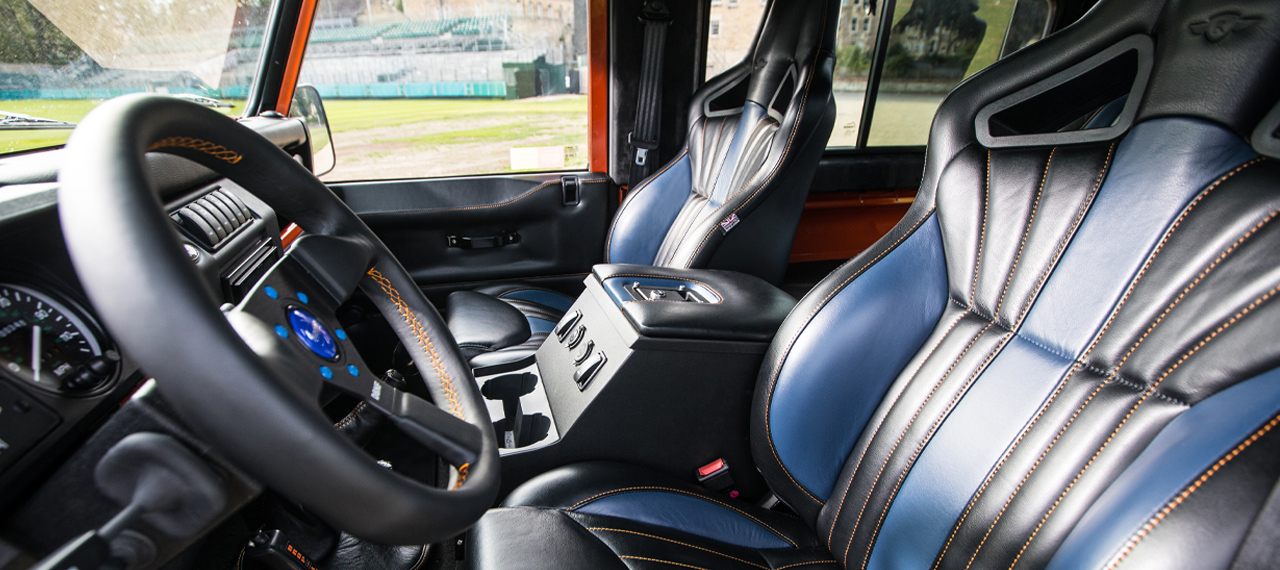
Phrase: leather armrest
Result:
[481,323]
[739,307]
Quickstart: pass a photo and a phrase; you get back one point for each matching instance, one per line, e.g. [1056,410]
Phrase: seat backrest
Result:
[732,198]
[1066,353]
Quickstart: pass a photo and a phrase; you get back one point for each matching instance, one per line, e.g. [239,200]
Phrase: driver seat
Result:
[731,199]
[1064,356]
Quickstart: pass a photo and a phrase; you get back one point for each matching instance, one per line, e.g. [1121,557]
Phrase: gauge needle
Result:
[35,352]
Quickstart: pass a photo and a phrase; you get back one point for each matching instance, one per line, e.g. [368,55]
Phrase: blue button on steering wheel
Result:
[313,334]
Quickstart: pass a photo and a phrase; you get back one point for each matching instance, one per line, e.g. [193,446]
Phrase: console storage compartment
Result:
[655,367]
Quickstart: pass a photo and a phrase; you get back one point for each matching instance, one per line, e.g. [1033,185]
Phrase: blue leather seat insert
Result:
[1183,450]
[1150,184]
[547,298]
[636,237]
[848,340]
[962,453]
[687,514]
[1159,167]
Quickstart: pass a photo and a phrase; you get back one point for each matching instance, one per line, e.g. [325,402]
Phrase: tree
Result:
[26,36]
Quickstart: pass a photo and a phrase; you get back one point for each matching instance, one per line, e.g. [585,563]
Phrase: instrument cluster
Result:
[49,342]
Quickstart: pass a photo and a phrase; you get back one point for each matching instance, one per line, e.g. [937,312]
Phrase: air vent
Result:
[213,218]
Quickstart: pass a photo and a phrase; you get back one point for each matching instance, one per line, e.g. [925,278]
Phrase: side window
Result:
[855,51]
[430,88]
[933,45]
[732,26]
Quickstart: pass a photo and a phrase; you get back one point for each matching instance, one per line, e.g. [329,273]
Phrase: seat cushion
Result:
[481,323]
[611,515]
[491,333]
[542,307]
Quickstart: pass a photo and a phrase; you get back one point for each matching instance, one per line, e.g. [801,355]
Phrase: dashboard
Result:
[61,374]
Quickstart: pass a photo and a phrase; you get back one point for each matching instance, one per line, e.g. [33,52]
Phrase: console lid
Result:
[695,303]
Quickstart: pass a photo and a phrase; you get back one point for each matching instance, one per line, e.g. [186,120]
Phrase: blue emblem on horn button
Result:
[313,334]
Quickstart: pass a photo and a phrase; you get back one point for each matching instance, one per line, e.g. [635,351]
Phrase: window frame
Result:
[279,78]
[883,17]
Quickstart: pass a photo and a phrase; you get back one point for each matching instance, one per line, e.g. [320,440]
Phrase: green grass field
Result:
[71,111]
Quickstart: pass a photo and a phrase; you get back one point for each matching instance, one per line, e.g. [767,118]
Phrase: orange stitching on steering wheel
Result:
[455,405]
[215,150]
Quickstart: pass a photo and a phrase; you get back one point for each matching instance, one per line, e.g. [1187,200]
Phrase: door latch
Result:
[570,187]
[484,242]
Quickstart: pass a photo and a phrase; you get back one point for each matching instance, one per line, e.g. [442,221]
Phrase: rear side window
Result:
[423,88]
[932,46]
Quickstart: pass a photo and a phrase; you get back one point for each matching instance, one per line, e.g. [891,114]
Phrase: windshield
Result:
[61,58]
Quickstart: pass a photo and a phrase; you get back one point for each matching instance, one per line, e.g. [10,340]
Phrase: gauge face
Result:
[44,342]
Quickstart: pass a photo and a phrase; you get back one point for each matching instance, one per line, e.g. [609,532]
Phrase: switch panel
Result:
[576,336]
[580,355]
[571,321]
[588,370]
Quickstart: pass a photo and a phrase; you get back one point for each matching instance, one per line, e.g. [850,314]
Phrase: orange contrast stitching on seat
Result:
[1133,409]
[832,561]
[1151,524]
[773,377]
[791,139]
[858,464]
[858,521]
[1058,390]
[601,528]
[215,150]
[1026,234]
[421,558]
[662,562]
[982,234]
[1115,371]
[455,405]
[682,492]
[608,245]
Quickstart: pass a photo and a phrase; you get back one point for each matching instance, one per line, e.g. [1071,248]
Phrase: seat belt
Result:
[1261,547]
[643,138]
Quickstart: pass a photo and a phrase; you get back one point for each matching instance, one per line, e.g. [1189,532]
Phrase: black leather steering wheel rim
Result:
[226,376]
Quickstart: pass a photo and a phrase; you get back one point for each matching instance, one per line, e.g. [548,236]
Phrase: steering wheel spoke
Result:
[250,377]
[289,320]
[457,442]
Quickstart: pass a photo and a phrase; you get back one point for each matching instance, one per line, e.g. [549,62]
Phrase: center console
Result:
[651,366]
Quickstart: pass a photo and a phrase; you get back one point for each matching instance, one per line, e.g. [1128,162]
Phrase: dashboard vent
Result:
[212,218]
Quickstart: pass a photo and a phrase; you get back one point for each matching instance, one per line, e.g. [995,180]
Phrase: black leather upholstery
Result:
[741,307]
[732,198]
[490,324]
[1062,357]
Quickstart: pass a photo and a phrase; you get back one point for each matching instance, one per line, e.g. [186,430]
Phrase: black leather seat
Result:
[730,200]
[1064,356]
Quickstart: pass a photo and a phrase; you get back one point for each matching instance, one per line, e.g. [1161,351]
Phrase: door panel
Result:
[457,233]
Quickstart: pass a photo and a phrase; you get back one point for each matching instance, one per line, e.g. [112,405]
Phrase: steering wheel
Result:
[249,377]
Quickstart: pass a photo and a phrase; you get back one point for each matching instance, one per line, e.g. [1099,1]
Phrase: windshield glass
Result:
[61,58]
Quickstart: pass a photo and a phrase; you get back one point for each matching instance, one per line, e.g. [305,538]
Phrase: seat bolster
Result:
[516,539]
[635,493]
[482,324]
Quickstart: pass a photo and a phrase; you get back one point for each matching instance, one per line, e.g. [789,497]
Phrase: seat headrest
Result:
[1218,60]
[793,33]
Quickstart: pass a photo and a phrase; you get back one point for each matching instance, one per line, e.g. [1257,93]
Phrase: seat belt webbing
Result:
[643,139]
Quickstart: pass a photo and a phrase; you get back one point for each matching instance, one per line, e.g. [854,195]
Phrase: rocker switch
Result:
[576,337]
[588,370]
[580,355]
[562,329]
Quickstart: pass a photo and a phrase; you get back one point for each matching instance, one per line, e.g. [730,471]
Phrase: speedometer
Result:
[45,342]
